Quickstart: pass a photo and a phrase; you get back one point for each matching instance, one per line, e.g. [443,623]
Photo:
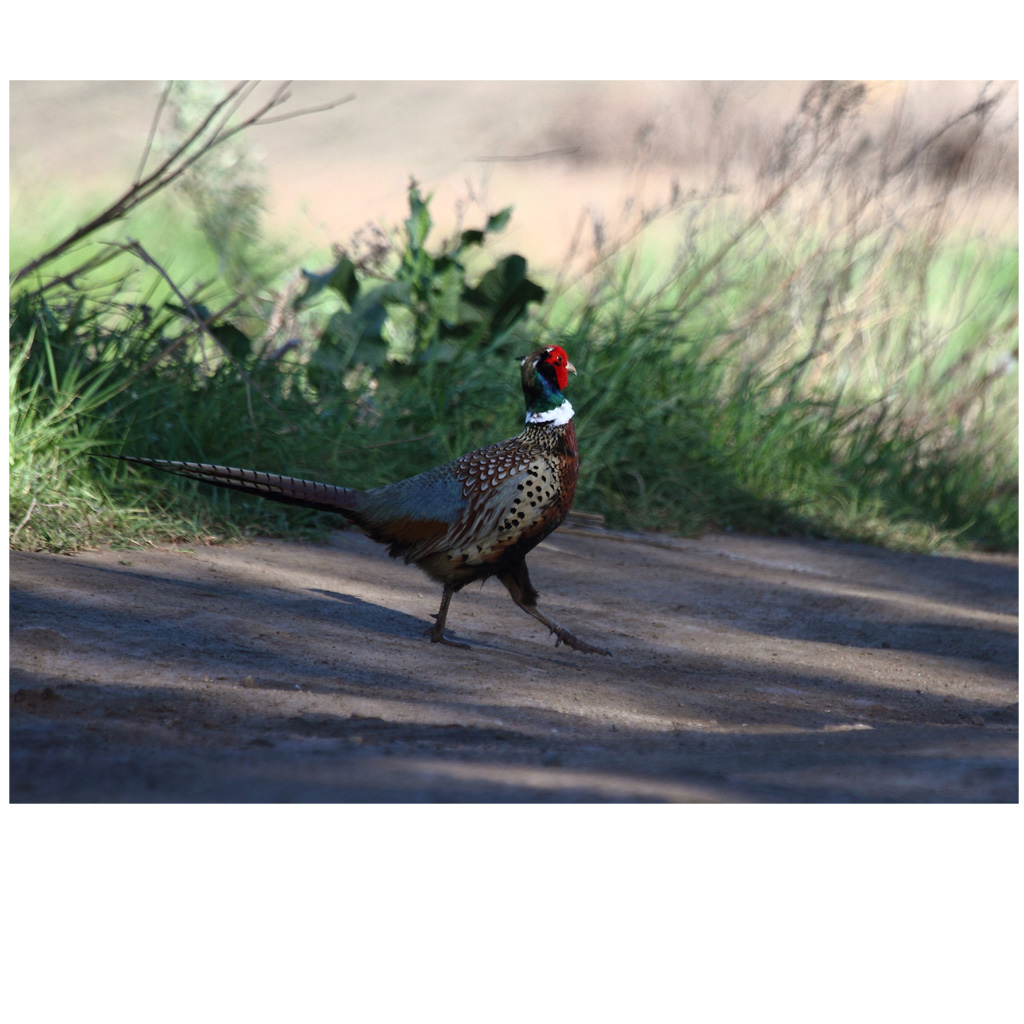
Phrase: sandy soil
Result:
[743,669]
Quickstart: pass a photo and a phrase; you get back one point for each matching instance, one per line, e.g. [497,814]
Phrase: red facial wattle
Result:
[556,357]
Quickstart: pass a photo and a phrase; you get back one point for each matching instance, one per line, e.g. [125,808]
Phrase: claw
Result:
[438,637]
[563,636]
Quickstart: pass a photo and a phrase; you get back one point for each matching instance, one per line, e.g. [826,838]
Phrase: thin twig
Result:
[90,264]
[177,163]
[980,109]
[164,96]
[307,110]
[178,342]
[204,325]
[232,108]
[28,516]
[135,194]
[545,155]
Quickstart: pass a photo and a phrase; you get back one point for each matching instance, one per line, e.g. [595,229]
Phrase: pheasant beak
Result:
[570,367]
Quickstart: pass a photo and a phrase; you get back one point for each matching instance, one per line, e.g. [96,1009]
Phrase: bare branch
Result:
[547,154]
[307,110]
[90,264]
[25,519]
[981,109]
[203,324]
[152,131]
[244,92]
[135,194]
[196,133]
[177,163]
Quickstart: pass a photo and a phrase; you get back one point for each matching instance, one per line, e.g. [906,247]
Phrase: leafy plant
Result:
[426,312]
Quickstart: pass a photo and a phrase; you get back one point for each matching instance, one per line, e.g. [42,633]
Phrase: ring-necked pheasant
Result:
[474,517]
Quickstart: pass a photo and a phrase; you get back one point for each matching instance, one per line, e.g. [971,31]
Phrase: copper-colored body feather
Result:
[474,517]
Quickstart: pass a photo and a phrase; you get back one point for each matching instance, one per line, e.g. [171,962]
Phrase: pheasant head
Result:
[545,376]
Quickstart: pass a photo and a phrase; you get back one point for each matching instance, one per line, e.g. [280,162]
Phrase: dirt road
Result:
[744,669]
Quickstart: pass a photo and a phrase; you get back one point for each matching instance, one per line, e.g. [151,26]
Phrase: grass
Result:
[58,402]
[684,435]
[816,360]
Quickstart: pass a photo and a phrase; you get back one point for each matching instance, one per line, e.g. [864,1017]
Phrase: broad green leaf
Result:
[235,342]
[341,278]
[504,281]
[448,292]
[372,351]
[497,221]
[504,293]
[356,336]
[419,223]
[399,292]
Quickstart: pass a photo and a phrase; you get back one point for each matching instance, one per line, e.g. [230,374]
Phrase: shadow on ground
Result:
[744,669]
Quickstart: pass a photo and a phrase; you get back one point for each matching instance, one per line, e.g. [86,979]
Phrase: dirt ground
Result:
[743,669]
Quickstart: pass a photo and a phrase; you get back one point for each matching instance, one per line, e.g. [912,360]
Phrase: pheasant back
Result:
[471,517]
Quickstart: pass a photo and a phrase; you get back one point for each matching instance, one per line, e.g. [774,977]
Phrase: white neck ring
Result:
[559,416]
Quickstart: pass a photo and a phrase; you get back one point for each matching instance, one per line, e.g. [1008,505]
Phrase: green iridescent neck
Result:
[545,403]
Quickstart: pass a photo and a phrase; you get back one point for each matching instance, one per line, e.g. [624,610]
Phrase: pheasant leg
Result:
[563,636]
[517,581]
[436,631]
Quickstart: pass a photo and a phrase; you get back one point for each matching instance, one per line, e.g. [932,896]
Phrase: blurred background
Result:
[560,152]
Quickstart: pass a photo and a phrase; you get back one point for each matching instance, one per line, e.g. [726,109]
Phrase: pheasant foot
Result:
[438,637]
[517,581]
[563,636]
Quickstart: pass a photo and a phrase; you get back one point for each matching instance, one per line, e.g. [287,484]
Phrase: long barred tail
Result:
[287,489]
